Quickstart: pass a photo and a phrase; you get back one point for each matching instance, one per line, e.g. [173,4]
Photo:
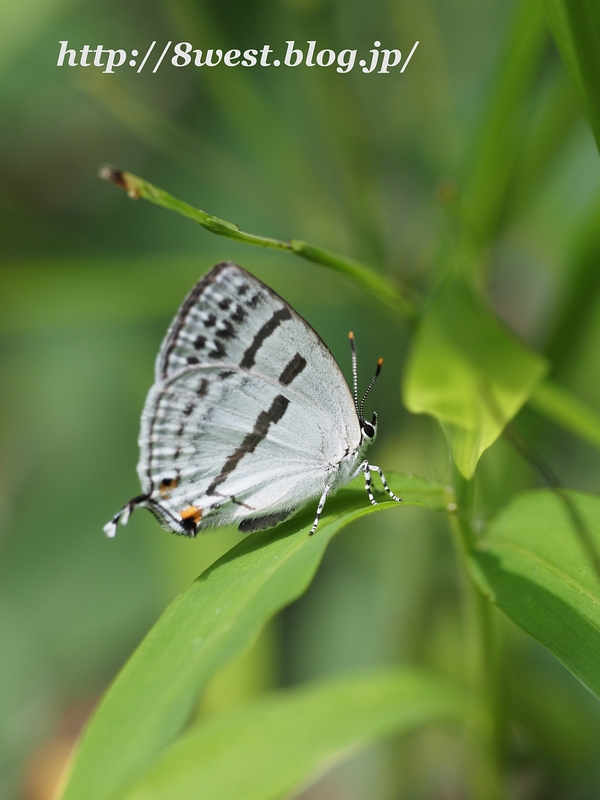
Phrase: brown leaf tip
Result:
[116,176]
[121,179]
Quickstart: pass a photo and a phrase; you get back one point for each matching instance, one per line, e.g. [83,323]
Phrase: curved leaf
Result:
[469,371]
[215,618]
[264,750]
[539,565]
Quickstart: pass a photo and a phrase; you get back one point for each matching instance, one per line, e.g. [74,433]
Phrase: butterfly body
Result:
[249,417]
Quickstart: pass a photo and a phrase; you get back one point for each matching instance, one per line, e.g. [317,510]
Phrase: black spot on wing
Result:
[188,409]
[224,303]
[202,389]
[239,315]
[182,318]
[263,334]
[231,279]
[192,360]
[227,331]
[251,441]
[200,342]
[292,369]
[218,352]
[190,526]
[226,374]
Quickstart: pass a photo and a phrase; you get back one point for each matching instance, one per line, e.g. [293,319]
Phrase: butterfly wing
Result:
[249,414]
[230,317]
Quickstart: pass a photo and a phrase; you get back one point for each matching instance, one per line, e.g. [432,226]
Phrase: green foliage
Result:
[449,215]
[567,410]
[468,372]
[220,614]
[576,28]
[539,563]
[487,192]
[284,740]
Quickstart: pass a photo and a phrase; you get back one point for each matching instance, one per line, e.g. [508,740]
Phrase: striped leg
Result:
[366,467]
[320,509]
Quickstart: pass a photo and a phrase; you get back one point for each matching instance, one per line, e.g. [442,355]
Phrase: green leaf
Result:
[558,22]
[215,618]
[567,410]
[575,24]
[265,750]
[579,296]
[467,370]
[487,189]
[539,564]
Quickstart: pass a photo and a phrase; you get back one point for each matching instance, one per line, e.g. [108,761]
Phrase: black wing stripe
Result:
[281,315]
[251,441]
[292,369]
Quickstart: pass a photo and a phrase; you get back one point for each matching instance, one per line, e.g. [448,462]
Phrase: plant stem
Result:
[485,727]
[377,285]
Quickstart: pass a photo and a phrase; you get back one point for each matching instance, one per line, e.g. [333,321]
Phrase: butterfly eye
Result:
[368,429]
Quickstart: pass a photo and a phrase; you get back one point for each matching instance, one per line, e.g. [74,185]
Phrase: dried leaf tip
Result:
[121,179]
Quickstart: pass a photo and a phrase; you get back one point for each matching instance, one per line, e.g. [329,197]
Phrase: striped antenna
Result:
[369,387]
[354,370]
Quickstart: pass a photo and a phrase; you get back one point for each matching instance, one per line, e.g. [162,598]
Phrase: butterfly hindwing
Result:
[232,445]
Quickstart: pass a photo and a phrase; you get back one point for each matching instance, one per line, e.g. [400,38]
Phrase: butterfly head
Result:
[368,430]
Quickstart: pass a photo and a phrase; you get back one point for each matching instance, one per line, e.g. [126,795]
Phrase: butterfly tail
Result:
[123,515]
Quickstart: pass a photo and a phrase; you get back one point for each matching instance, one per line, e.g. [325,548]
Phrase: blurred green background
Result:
[367,165]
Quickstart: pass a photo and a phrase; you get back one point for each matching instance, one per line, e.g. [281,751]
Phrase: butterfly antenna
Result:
[354,370]
[369,387]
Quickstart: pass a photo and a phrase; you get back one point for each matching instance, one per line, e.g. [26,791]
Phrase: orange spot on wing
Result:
[167,485]
[192,512]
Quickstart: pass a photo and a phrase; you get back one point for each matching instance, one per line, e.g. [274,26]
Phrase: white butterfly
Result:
[249,416]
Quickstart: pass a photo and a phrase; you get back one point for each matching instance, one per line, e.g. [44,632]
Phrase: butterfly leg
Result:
[383,481]
[320,508]
[366,468]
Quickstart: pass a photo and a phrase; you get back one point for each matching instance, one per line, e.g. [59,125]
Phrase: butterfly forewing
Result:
[230,317]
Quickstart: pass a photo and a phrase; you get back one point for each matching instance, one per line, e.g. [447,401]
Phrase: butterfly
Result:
[249,417]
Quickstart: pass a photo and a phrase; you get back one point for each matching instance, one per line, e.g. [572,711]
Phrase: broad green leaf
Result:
[539,565]
[567,410]
[218,616]
[575,25]
[264,750]
[467,370]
